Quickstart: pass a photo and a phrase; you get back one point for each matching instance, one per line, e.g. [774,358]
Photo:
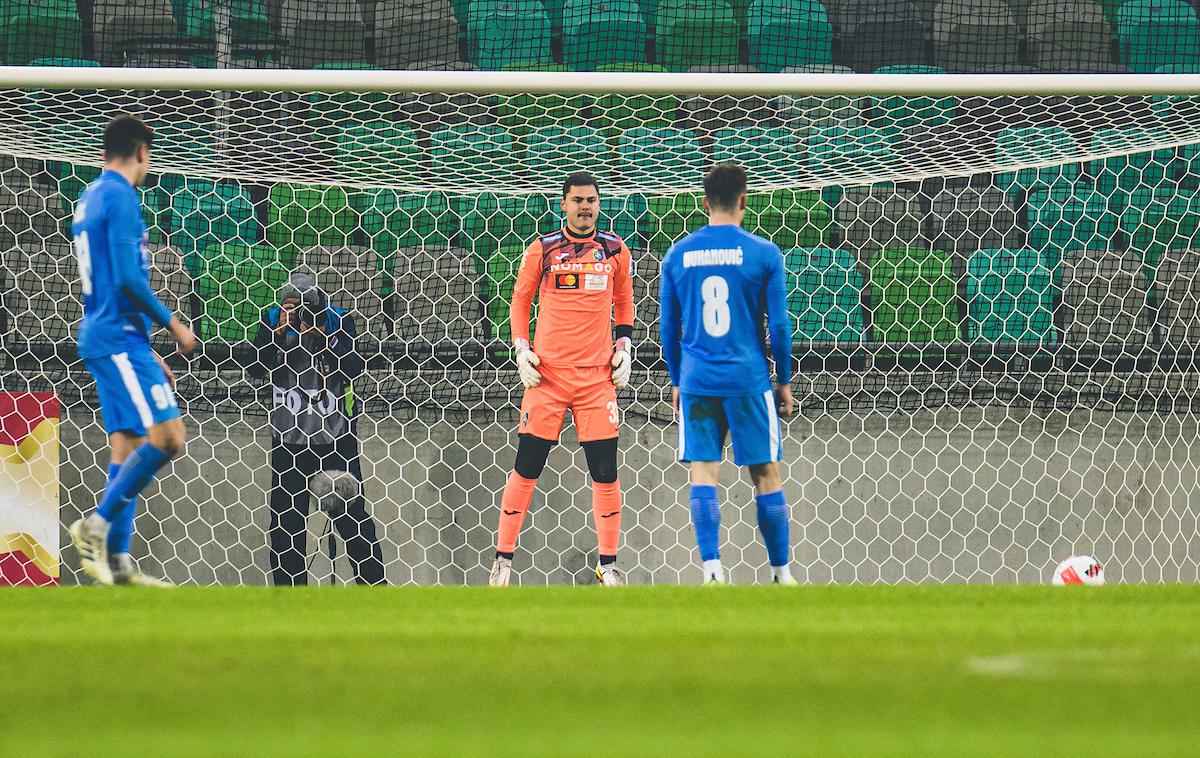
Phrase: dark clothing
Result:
[291,468]
[313,428]
[312,397]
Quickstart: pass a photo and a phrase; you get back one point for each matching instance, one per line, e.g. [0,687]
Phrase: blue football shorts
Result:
[750,420]
[134,391]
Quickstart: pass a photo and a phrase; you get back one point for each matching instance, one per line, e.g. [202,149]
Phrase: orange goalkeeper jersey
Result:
[580,280]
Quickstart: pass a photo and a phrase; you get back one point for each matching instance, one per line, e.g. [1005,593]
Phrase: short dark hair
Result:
[580,179]
[723,185]
[124,134]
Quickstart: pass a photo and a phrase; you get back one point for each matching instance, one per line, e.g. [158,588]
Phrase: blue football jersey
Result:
[114,268]
[717,283]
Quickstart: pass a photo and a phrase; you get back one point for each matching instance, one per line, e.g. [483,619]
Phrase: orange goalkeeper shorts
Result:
[587,390]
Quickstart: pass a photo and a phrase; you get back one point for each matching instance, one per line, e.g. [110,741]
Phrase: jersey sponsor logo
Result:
[595,282]
[721,256]
[579,268]
[566,281]
[549,238]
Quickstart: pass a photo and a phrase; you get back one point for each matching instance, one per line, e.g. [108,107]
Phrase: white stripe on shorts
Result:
[129,377]
[772,424]
[679,452]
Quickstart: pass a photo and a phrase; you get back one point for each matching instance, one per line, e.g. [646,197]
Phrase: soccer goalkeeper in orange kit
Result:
[582,275]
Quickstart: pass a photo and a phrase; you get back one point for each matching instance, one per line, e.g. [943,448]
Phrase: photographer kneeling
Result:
[306,346]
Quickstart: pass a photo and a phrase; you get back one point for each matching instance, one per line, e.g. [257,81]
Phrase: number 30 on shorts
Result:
[163,397]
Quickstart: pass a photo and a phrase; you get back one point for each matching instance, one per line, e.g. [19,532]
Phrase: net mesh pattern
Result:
[994,304]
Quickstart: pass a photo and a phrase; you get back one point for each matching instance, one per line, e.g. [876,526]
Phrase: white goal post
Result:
[994,281]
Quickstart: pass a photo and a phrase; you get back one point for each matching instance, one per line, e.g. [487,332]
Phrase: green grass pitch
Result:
[654,671]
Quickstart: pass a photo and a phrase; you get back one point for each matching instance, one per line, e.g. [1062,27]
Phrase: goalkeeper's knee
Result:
[531,455]
[601,460]
[334,490]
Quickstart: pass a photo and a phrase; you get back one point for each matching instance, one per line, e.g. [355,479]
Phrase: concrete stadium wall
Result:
[957,494]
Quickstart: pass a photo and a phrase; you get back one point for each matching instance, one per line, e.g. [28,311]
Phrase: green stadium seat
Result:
[247,19]
[522,113]
[71,181]
[787,33]
[603,32]
[913,296]
[1069,216]
[503,32]
[331,113]
[1128,172]
[468,150]
[670,217]
[381,150]
[617,113]
[835,151]
[497,221]
[664,156]
[824,295]
[1155,33]
[789,218]
[237,282]
[499,279]
[769,154]
[895,114]
[1030,145]
[194,140]
[627,217]
[206,213]
[552,152]
[64,63]
[301,216]
[1158,220]
[155,208]
[696,33]
[1010,296]
[40,29]
[393,220]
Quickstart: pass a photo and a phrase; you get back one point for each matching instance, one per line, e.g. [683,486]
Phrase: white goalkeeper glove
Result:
[622,363]
[527,360]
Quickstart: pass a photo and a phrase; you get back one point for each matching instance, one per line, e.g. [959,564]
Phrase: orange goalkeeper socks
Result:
[518,491]
[606,509]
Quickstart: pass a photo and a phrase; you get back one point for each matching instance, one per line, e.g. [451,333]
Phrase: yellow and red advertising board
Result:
[29,488]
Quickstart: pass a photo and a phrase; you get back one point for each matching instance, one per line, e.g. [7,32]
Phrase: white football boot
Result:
[125,571]
[90,537]
[609,575]
[501,572]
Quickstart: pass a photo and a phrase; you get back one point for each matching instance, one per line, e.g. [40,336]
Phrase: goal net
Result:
[995,300]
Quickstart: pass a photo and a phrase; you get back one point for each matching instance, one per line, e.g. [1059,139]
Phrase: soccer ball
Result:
[1079,569]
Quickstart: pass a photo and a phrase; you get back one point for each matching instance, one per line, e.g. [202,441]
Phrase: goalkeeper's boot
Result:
[501,572]
[90,537]
[609,575]
[125,571]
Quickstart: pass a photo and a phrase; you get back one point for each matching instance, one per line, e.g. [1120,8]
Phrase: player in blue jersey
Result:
[716,282]
[136,389]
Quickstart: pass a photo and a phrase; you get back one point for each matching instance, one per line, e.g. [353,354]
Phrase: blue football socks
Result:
[773,523]
[706,520]
[120,533]
[137,471]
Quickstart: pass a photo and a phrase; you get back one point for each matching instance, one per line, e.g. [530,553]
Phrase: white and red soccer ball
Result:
[1079,569]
